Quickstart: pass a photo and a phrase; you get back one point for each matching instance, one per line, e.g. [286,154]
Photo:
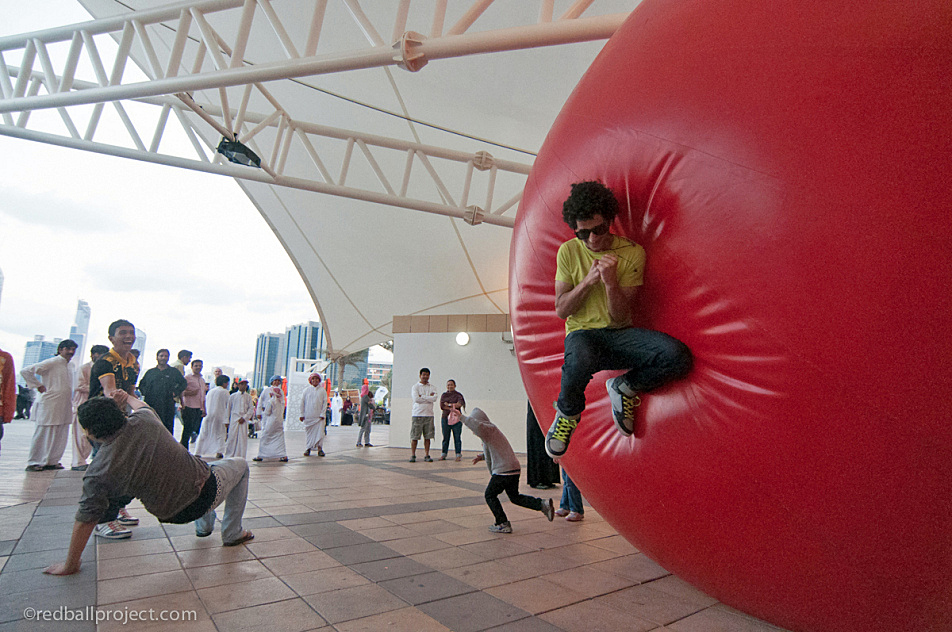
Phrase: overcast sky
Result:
[183,255]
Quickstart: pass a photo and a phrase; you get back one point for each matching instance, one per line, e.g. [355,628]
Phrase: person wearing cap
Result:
[241,410]
[314,414]
[271,410]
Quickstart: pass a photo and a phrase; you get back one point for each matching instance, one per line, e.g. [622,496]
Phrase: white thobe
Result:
[80,444]
[314,416]
[240,411]
[53,411]
[336,404]
[271,438]
[211,438]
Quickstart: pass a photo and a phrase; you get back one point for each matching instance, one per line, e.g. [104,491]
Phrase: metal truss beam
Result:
[189,78]
[219,61]
[429,166]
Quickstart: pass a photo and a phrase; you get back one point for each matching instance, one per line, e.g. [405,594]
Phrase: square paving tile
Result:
[362,553]
[293,615]
[299,562]
[324,580]
[536,595]
[490,573]
[354,603]
[114,590]
[114,549]
[275,548]
[238,596]
[409,619]
[589,582]
[417,589]
[222,574]
[139,565]
[382,570]
[648,603]
[595,617]
[473,612]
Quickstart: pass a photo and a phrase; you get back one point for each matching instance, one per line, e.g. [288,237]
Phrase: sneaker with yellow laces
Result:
[557,438]
[624,402]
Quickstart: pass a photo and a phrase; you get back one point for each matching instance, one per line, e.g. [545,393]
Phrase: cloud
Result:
[58,214]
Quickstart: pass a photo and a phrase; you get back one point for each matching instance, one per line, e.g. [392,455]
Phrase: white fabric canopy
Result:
[363,262]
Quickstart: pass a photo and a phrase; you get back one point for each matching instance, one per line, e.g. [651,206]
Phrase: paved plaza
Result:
[360,540]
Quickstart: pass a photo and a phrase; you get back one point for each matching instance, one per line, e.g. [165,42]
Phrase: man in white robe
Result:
[241,410]
[271,410]
[336,404]
[80,444]
[314,414]
[53,378]
[211,439]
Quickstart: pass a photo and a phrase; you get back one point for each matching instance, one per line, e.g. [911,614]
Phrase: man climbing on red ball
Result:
[596,281]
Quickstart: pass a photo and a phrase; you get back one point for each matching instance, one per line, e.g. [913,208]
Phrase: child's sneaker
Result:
[112,531]
[501,528]
[575,516]
[125,519]
[557,438]
[623,405]
[548,509]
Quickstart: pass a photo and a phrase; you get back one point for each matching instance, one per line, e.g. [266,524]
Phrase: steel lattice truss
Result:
[190,79]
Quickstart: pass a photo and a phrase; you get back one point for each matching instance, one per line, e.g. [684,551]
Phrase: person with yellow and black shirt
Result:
[118,370]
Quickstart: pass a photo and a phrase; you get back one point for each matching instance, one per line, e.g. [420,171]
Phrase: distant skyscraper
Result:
[80,329]
[266,359]
[303,342]
[37,350]
[140,343]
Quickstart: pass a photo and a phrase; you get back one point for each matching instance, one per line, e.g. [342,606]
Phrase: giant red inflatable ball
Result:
[787,168]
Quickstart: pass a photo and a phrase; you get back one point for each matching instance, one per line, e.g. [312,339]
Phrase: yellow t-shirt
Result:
[574,260]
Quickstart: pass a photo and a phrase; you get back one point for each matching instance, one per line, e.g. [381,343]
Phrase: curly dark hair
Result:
[101,416]
[587,200]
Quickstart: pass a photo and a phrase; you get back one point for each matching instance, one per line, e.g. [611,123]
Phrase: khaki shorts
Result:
[421,426]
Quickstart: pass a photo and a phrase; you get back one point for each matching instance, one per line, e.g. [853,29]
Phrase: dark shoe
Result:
[360,445]
[284,459]
[320,453]
[428,459]
[202,534]
[34,468]
[257,458]
[245,537]
[412,459]
[79,468]
[58,466]
[368,445]
[307,452]
[623,405]
[560,432]
[501,528]
[548,509]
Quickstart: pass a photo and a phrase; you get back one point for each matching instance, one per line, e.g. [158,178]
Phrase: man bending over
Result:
[140,459]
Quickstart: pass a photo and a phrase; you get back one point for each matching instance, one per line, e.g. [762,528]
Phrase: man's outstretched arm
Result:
[77,544]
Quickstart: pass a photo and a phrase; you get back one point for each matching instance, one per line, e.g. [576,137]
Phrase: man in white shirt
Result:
[81,447]
[423,395]
[314,414]
[53,378]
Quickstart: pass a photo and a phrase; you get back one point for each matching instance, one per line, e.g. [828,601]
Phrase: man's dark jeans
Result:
[650,357]
[191,422]
[508,483]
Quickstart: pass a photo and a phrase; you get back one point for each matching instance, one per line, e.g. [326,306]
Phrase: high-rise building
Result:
[303,342]
[141,338]
[80,329]
[354,374]
[37,350]
[266,359]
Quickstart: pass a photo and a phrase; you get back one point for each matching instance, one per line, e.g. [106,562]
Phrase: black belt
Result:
[201,505]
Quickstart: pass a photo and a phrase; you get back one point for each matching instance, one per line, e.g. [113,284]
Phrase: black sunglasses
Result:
[601,229]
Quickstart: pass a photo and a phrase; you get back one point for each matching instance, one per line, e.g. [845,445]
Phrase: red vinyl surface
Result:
[787,168]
